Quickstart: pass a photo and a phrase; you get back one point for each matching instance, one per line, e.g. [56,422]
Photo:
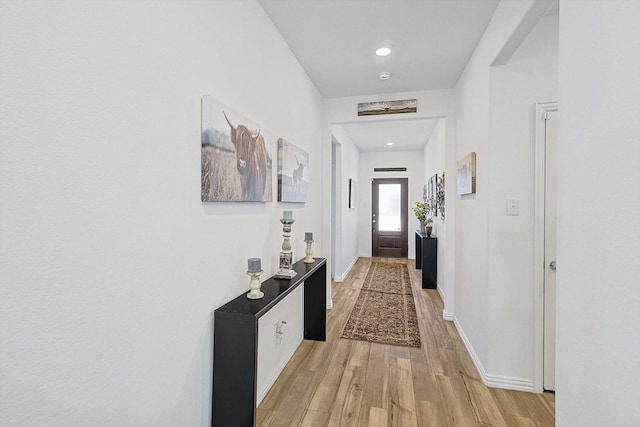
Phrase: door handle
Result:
[552,265]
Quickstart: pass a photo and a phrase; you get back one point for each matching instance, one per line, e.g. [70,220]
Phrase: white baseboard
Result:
[447,316]
[496,381]
[330,304]
[439,288]
[341,277]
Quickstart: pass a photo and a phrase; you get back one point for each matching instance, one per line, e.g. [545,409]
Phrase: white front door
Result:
[550,202]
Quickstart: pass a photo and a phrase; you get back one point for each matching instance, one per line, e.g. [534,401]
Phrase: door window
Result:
[389,207]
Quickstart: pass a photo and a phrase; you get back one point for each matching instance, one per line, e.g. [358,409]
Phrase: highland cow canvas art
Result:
[235,159]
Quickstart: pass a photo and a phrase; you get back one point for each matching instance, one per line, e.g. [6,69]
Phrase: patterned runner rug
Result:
[385,311]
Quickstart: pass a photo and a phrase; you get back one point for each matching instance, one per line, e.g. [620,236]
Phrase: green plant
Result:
[421,210]
[429,222]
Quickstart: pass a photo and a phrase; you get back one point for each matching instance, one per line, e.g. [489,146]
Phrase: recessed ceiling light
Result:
[390,144]
[385,75]
[383,51]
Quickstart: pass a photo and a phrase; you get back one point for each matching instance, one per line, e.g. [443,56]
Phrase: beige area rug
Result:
[385,311]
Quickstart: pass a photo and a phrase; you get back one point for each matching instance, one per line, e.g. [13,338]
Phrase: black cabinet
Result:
[427,259]
[235,340]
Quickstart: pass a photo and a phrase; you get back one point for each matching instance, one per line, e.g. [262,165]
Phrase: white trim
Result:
[509,383]
[542,108]
[344,275]
[496,381]
[446,315]
[439,288]
[330,304]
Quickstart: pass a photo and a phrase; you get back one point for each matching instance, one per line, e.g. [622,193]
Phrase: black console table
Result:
[427,259]
[235,340]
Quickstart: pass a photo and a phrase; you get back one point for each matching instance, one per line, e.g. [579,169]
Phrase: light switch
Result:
[513,207]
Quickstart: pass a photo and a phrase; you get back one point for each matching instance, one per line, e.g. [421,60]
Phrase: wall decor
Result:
[293,173]
[433,189]
[387,107]
[235,158]
[467,174]
[352,193]
[440,196]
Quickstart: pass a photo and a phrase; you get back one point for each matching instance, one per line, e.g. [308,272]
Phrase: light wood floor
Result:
[344,382]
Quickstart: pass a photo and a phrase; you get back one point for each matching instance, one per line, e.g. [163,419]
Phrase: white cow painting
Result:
[293,173]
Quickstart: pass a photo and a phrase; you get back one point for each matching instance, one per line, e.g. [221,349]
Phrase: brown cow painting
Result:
[236,164]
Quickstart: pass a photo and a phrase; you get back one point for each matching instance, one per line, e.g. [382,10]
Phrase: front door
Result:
[389,218]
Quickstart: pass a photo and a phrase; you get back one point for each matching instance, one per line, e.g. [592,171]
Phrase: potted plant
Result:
[421,210]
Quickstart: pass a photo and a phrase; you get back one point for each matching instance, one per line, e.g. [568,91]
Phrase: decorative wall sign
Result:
[235,159]
[293,173]
[467,174]
[387,107]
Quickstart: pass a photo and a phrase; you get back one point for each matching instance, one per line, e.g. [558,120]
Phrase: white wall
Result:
[347,238]
[413,161]
[598,296]
[471,217]
[434,155]
[110,265]
[495,107]
[530,76]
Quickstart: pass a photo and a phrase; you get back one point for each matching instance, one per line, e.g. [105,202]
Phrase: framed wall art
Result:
[352,193]
[293,173]
[440,196]
[387,107]
[432,194]
[235,158]
[467,174]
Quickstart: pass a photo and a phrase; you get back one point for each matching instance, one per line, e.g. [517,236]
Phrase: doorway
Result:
[546,215]
[336,206]
[389,237]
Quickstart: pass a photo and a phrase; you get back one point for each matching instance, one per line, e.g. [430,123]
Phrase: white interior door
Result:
[551,138]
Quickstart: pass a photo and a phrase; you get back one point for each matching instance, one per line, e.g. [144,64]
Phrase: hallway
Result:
[346,382]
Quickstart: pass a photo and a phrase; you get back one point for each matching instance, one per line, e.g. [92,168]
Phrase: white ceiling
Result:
[335,41]
[405,134]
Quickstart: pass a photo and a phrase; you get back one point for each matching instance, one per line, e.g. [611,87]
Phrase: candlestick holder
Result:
[254,285]
[309,253]
[286,256]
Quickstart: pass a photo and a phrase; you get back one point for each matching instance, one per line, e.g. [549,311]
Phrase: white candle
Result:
[255,265]
[287,214]
[308,236]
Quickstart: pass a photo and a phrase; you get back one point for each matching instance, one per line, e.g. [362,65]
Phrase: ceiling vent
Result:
[389,169]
